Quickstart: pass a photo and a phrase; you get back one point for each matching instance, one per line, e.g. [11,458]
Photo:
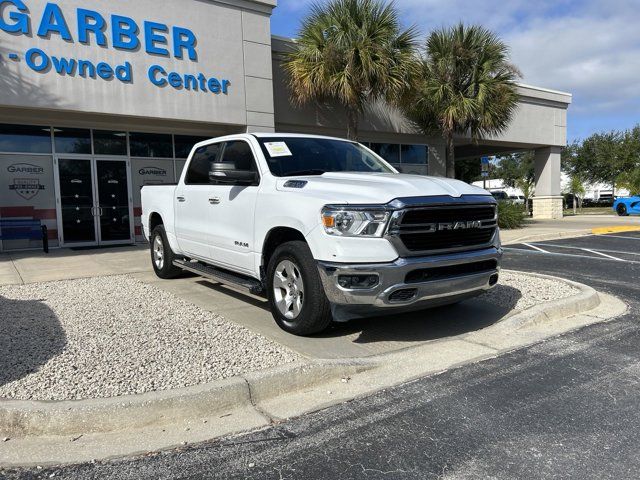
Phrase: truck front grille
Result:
[445,228]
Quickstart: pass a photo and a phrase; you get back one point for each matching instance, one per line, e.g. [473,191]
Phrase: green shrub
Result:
[510,215]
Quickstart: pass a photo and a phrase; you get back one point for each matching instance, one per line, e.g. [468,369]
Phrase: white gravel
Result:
[519,292]
[111,336]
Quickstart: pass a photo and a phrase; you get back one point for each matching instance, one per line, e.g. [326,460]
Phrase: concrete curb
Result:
[587,299]
[548,236]
[269,395]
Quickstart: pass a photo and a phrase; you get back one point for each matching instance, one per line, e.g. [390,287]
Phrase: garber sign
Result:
[116,31]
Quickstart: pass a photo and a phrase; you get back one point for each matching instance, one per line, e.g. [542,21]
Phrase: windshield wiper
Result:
[311,171]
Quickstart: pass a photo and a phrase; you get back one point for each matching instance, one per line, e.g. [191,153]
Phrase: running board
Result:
[254,286]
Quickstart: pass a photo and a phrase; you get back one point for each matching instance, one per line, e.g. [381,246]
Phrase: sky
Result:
[590,48]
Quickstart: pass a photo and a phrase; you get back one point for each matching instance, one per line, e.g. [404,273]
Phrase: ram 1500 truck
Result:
[325,227]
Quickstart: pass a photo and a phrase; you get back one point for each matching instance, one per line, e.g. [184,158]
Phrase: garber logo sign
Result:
[27,168]
[157,172]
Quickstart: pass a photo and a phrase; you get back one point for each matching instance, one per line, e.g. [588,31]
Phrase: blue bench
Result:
[15,229]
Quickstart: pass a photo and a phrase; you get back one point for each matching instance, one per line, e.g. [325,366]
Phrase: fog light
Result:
[493,280]
[358,281]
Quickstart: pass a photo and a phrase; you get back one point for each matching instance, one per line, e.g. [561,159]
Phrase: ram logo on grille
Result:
[451,226]
[459,225]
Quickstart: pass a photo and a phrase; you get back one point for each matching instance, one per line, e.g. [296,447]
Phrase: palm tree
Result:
[466,86]
[352,52]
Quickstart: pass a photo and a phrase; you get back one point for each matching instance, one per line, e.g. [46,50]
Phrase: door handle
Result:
[214,200]
[181,199]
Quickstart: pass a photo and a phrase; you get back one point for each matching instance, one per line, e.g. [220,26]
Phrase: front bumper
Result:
[395,291]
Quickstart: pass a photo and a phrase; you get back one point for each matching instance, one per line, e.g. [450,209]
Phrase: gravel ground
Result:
[525,291]
[111,336]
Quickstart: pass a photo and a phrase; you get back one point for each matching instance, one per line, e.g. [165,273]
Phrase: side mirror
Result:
[226,173]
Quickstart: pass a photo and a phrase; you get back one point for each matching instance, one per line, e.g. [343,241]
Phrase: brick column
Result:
[548,200]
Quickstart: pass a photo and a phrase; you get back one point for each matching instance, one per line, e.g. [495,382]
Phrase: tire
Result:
[161,255]
[622,210]
[300,306]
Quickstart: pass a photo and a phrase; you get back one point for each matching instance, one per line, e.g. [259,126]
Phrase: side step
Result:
[223,276]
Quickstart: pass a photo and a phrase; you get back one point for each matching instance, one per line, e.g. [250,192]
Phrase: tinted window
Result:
[389,151]
[415,154]
[240,155]
[25,139]
[184,144]
[200,165]
[109,143]
[151,145]
[72,140]
[292,156]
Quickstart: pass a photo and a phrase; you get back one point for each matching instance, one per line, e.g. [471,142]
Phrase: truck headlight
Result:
[354,223]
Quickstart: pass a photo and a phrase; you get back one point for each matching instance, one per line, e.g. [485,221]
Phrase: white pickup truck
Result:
[324,226]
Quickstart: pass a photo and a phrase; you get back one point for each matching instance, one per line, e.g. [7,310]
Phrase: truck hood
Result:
[376,188]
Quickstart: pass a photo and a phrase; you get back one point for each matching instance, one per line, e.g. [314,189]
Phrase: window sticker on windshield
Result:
[278,149]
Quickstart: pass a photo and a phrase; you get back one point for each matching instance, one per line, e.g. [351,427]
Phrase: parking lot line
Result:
[535,248]
[539,251]
[603,254]
[569,247]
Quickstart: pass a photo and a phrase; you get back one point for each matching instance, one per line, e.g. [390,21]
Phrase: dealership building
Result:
[101,97]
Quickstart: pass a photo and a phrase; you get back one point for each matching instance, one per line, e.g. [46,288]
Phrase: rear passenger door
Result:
[192,203]
[232,210]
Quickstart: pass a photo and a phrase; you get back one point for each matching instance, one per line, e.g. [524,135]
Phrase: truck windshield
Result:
[291,156]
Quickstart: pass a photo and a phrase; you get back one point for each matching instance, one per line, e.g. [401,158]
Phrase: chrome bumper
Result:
[392,278]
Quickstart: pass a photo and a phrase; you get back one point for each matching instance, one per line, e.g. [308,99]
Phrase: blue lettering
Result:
[31,57]
[203,82]
[225,86]
[154,70]
[104,71]
[53,21]
[214,85]
[123,73]
[152,38]
[62,65]
[20,20]
[190,82]
[184,39]
[86,68]
[125,33]
[175,80]
[90,21]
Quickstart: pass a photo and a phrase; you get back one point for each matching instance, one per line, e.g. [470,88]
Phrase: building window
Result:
[151,145]
[109,143]
[25,139]
[415,154]
[72,140]
[184,144]
[389,151]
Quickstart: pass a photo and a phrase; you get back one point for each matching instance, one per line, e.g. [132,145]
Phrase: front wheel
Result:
[162,256]
[296,296]
[622,210]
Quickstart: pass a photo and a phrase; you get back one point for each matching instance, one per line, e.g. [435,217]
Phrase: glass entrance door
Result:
[95,201]
[77,205]
[113,201]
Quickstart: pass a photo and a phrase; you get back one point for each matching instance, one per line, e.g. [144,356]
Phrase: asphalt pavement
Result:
[566,408]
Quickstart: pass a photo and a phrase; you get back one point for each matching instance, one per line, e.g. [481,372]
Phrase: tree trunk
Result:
[575,205]
[451,157]
[352,124]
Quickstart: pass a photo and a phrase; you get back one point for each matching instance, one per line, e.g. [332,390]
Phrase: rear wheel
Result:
[622,210]
[161,254]
[298,302]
